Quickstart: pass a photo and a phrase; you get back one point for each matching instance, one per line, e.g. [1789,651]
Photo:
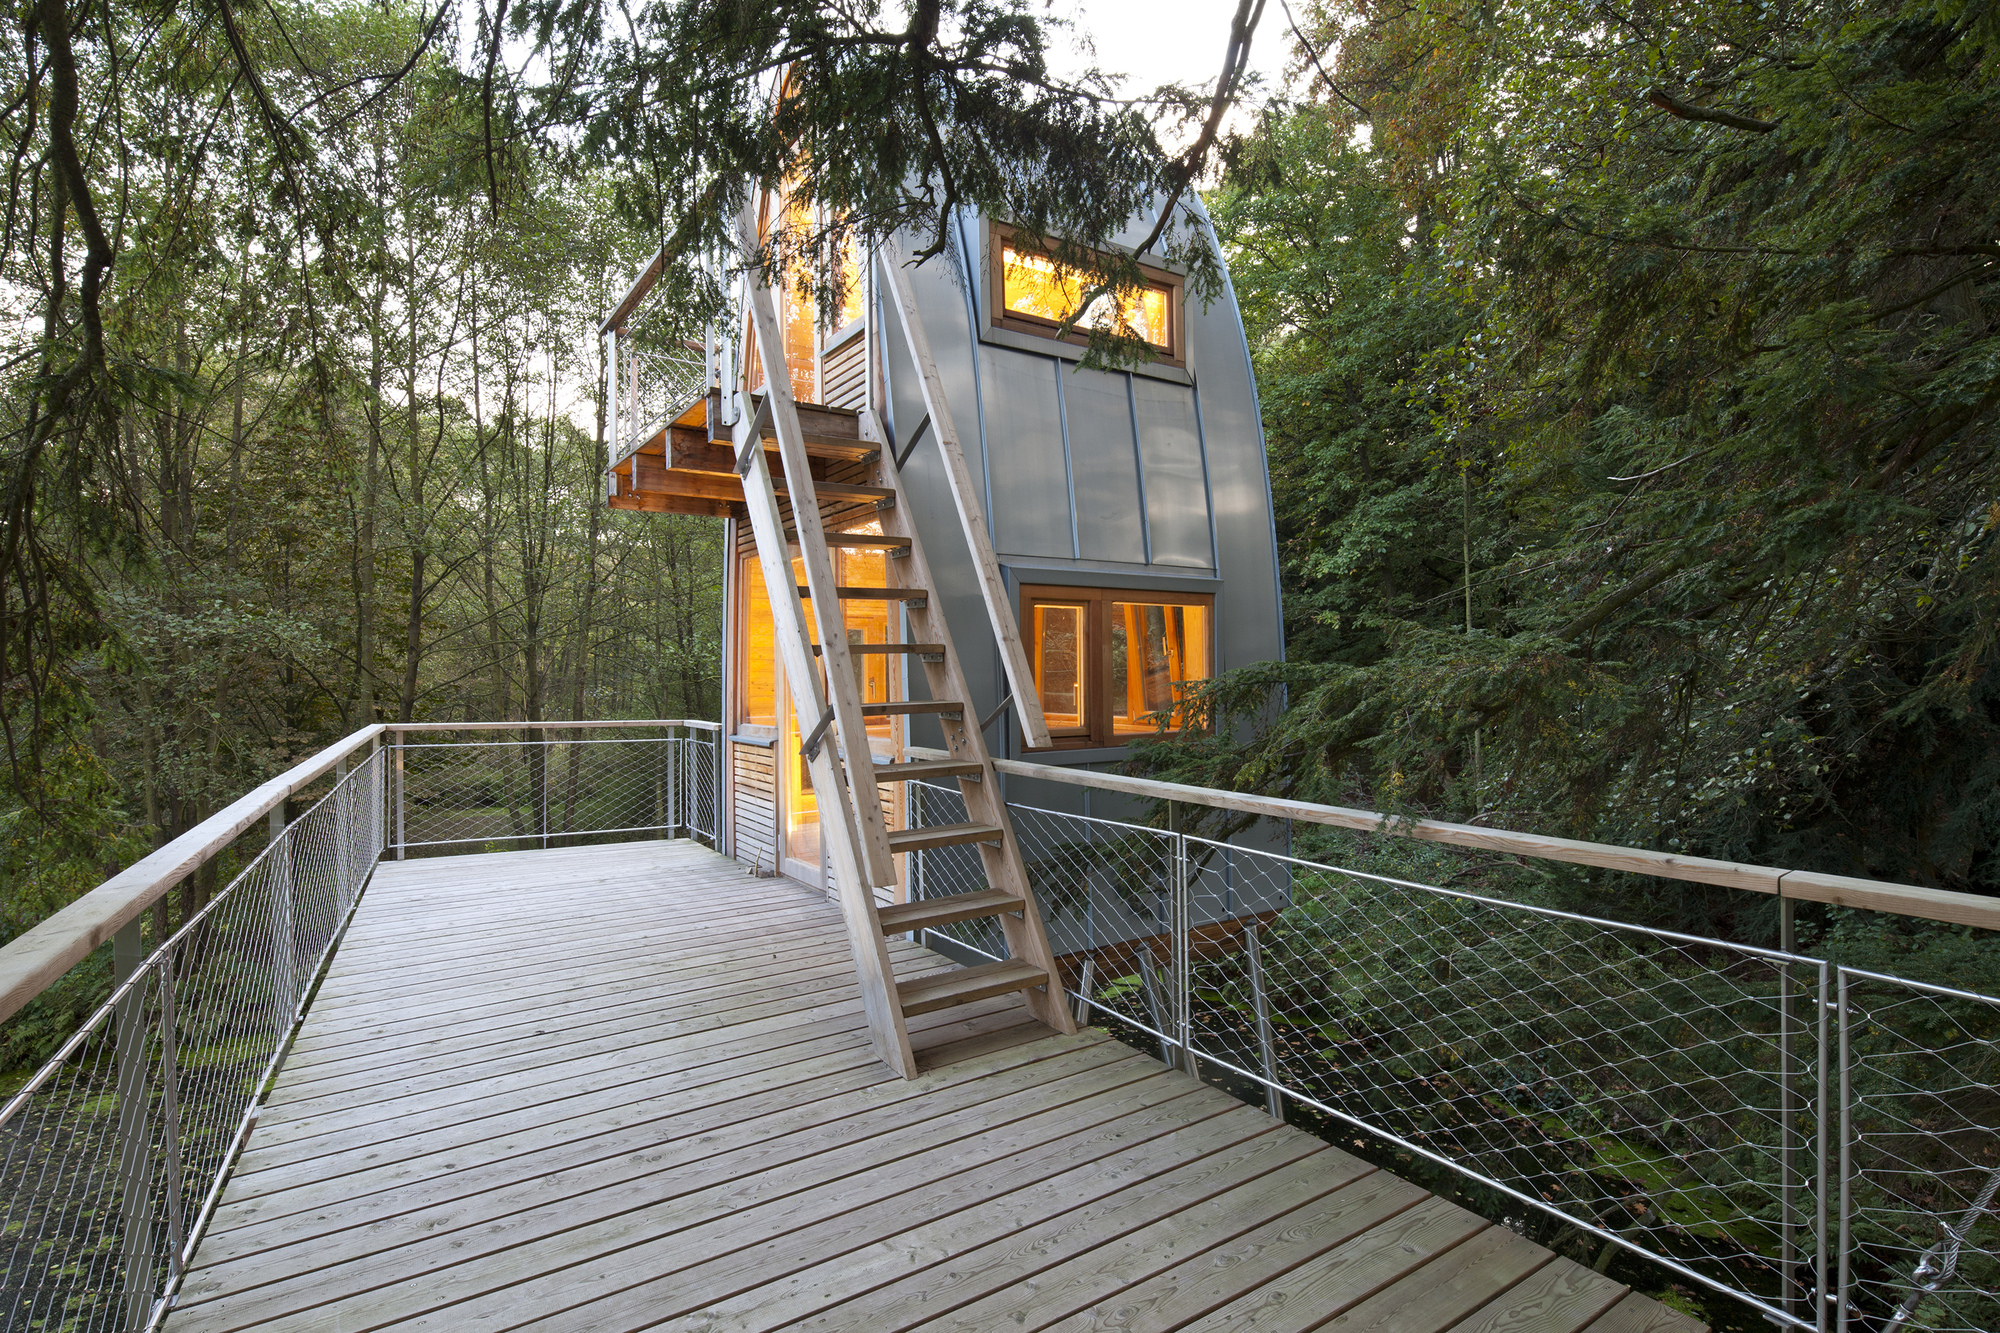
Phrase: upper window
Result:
[1110,664]
[1031,295]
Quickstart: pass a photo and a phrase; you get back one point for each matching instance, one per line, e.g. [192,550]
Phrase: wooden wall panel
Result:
[843,371]
[756,807]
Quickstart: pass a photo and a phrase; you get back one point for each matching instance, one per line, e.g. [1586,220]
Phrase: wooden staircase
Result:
[860,846]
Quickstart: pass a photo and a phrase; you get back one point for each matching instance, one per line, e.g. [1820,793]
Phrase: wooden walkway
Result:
[629,1087]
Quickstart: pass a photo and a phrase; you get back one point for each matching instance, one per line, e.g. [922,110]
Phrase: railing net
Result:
[116,1150]
[1603,1086]
[508,795]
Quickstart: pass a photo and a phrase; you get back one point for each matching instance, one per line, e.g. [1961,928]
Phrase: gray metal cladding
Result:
[1024,442]
[1105,462]
[1175,481]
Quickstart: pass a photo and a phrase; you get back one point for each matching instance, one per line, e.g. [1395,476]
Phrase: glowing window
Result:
[758,651]
[1057,654]
[1035,296]
[1108,669]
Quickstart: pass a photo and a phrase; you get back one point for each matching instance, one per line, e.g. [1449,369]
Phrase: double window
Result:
[1032,294]
[1111,664]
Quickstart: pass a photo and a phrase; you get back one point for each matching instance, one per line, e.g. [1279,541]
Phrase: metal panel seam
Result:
[1139,469]
[1069,468]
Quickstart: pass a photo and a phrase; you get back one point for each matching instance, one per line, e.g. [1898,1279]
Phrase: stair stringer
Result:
[971,517]
[831,789]
[1026,935]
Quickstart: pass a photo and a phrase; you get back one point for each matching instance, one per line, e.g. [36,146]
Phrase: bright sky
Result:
[1175,41]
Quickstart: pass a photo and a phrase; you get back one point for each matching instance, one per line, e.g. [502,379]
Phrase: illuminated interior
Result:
[1057,653]
[1032,285]
[759,672]
[853,301]
[762,700]
[1156,649]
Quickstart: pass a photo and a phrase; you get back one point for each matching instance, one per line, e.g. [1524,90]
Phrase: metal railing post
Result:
[1274,1101]
[170,1118]
[1788,1128]
[673,786]
[1182,989]
[401,846]
[343,839]
[135,1146]
[1149,989]
[284,934]
[1846,1229]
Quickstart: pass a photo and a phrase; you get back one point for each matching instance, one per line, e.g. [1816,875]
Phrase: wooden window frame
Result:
[1174,354]
[1098,734]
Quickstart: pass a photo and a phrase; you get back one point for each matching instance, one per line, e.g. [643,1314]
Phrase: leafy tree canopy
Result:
[1632,376]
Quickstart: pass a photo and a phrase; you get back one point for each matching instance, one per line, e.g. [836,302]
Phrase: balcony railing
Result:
[1818,1142]
[113,1155]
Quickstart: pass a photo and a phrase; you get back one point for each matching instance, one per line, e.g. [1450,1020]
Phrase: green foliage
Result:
[1673,337]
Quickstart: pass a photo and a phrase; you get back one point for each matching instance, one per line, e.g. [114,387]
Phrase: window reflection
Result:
[1058,662]
[1156,649]
[1031,285]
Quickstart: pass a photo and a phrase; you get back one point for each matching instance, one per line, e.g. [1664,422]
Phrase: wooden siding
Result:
[843,374]
[756,810]
[612,1088]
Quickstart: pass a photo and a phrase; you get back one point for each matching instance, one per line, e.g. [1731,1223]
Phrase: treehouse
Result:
[1024,557]
[492,1031]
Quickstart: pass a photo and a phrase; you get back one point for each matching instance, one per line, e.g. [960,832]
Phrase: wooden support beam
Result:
[678,504]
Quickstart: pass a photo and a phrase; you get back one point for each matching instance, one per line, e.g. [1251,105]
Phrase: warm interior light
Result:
[1031,285]
[1058,663]
[1156,650]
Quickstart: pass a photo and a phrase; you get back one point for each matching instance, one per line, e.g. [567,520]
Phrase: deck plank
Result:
[612,1088]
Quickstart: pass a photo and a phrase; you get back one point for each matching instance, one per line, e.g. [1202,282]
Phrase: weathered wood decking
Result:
[629,1087]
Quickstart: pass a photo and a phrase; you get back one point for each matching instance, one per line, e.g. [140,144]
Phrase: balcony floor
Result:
[627,1087]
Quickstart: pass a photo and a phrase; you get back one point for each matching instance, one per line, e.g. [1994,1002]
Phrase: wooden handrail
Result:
[697,723]
[1963,909]
[39,956]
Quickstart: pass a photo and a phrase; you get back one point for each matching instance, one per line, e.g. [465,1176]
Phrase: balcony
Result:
[487,1035]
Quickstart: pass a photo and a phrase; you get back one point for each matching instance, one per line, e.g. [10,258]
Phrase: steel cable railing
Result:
[1819,1143]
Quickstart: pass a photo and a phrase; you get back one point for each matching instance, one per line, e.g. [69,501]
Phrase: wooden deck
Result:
[629,1087]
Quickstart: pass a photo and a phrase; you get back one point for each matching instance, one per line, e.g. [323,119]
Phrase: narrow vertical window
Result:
[1058,656]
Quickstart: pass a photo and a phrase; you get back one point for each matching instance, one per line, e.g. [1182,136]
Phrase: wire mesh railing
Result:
[115,1151]
[543,790]
[1820,1144]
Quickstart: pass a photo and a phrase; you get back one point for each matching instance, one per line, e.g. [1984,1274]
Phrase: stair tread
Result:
[928,912]
[864,539]
[942,835]
[881,649]
[840,490]
[942,990]
[905,707]
[874,594]
[927,768]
